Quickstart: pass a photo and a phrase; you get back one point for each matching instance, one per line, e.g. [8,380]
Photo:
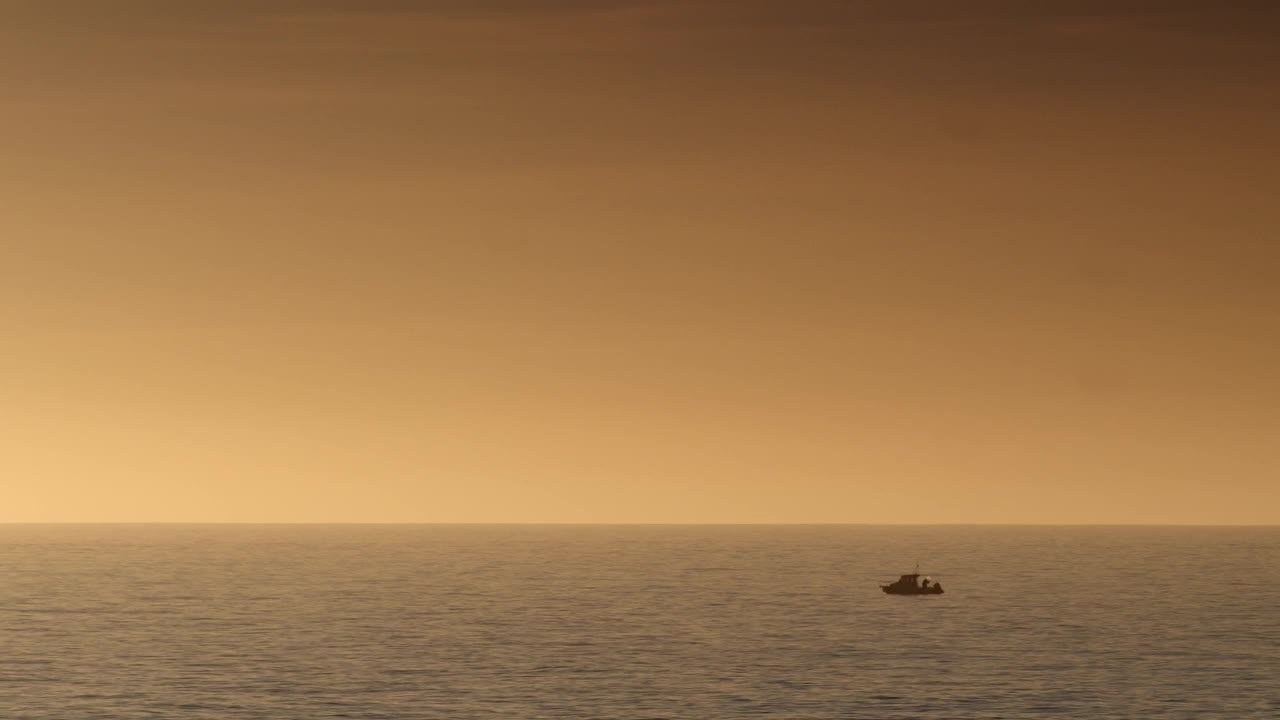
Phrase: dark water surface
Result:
[310,622]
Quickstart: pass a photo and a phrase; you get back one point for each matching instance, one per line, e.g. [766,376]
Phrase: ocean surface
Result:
[473,622]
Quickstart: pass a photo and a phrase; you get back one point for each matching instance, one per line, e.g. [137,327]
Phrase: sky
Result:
[704,261]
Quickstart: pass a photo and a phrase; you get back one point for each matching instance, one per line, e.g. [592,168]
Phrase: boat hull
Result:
[891,590]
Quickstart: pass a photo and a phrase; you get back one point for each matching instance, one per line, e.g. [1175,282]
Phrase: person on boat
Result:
[924,584]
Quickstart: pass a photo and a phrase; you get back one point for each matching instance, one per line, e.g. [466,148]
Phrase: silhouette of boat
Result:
[911,584]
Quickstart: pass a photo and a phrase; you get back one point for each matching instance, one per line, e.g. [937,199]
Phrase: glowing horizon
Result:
[641,262]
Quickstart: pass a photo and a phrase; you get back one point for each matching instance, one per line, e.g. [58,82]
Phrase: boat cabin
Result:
[913,584]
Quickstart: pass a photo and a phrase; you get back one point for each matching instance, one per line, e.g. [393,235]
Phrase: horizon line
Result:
[634,524]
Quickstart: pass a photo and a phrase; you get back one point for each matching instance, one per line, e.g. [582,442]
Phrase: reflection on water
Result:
[636,622]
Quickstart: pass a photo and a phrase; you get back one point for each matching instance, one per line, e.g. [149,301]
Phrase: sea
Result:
[399,622]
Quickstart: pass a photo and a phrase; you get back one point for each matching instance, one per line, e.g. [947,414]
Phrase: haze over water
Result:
[640,261]
[710,622]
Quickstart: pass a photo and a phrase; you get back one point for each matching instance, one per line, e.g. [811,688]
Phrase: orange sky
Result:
[641,261]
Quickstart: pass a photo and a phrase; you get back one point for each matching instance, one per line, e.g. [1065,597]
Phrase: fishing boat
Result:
[913,584]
